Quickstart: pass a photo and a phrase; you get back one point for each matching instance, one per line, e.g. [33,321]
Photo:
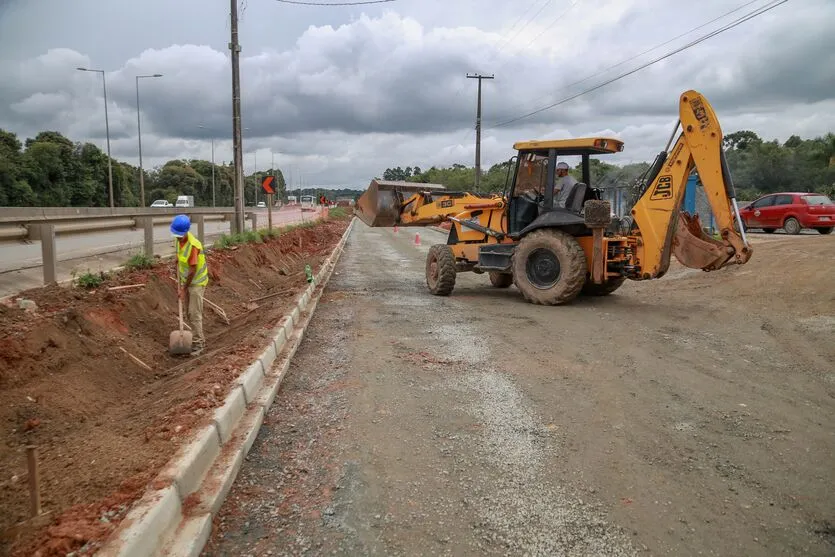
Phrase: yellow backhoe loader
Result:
[555,246]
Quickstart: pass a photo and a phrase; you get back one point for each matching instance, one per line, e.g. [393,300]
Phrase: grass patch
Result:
[338,212]
[139,261]
[226,241]
[90,280]
[252,237]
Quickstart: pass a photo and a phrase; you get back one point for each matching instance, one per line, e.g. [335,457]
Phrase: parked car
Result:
[161,203]
[790,211]
[185,201]
[262,205]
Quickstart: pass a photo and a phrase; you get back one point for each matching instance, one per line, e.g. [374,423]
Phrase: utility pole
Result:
[479,77]
[237,146]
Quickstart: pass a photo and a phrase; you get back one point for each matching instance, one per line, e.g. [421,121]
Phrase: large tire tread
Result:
[500,280]
[573,268]
[445,283]
[592,289]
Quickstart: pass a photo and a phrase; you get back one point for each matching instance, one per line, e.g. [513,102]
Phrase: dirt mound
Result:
[102,423]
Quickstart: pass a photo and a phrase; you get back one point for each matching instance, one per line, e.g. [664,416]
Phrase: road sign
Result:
[267,184]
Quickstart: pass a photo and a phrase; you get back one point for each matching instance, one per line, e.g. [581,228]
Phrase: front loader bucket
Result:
[380,204]
[695,249]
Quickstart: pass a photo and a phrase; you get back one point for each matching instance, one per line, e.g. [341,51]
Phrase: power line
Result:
[510,40]
[507,40]
[334,3]
[647,51]
[749,16]
[559,17]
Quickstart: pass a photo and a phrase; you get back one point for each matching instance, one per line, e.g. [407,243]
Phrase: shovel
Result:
[179,342]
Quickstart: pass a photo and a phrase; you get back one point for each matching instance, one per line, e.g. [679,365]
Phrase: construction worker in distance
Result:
[193,275]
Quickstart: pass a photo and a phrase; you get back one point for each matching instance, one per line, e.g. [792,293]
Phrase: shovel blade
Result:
[380,204]
[179,342]
[695,249]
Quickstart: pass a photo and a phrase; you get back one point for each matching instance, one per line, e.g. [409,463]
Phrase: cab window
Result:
[784,200]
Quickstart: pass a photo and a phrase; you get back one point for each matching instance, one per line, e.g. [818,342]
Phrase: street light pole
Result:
[139,133]
[107,131]
[213,172]
[213,165]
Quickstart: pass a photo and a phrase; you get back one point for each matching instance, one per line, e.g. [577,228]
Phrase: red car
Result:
[791,212]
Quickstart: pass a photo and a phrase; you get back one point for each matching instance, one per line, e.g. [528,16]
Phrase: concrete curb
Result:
[174,517]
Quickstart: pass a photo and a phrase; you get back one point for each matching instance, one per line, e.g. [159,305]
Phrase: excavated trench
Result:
[73,382]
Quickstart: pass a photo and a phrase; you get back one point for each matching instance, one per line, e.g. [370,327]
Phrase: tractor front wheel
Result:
[549,267]
[440,270]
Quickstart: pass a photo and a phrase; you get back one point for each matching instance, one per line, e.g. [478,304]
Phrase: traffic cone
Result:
[417,238]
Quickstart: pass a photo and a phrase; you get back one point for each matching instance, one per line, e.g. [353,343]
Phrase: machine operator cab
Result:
[533,203]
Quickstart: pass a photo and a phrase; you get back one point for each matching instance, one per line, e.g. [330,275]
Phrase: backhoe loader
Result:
[555,247]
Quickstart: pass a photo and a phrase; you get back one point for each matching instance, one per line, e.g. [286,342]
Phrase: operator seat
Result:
[576,197]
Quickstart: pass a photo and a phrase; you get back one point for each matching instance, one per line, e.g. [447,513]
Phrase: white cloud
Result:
[359,92]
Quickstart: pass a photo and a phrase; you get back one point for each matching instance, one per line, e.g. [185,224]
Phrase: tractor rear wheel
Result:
[500,280]
[440,270]
[549,267]
[592,289]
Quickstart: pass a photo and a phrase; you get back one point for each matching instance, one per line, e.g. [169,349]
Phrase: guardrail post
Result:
[49,254]
[201,227]
[254,218]
[148,225]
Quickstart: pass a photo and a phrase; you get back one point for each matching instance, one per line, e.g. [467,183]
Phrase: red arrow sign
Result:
[267,184]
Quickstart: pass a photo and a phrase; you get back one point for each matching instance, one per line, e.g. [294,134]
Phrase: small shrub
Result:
[224,242]
[252,236]
[90,280]
[337,213]
[139,261]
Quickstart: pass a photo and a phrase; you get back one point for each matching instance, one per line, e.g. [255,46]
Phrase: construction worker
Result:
[563,183]
[193,275]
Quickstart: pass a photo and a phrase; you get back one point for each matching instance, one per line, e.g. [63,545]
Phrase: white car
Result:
[262,205]
[161,203]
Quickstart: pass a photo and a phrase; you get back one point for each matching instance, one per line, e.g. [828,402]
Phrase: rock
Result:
[28,305]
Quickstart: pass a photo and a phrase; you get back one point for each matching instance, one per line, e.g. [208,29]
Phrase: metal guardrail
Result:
[44,224]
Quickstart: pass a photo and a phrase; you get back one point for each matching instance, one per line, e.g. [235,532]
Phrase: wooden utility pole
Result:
[237,146]
[479,77]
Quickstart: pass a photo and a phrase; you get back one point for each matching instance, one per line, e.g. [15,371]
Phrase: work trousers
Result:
[195,315]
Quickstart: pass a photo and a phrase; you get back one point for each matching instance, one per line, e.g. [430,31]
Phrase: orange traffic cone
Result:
[417,238]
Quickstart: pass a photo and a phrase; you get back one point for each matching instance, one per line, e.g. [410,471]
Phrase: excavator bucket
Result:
[380,204]
[695,249]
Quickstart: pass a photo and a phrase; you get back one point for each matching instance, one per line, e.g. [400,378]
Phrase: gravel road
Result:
[687,416]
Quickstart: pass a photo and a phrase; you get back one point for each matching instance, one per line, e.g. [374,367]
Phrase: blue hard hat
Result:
[180,225]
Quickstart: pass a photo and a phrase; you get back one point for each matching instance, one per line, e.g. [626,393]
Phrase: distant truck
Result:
[308,202]
[184,201]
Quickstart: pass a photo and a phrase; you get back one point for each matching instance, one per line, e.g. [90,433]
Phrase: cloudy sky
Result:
[337,94]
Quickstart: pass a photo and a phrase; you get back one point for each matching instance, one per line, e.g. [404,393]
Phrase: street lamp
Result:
[139,130]
[107,131]
[213,164]
[255,173]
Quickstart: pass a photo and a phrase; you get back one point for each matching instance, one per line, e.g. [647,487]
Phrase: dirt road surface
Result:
[691,415]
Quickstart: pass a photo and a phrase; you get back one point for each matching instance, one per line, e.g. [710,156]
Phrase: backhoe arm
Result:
[661,229]
[394,203]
